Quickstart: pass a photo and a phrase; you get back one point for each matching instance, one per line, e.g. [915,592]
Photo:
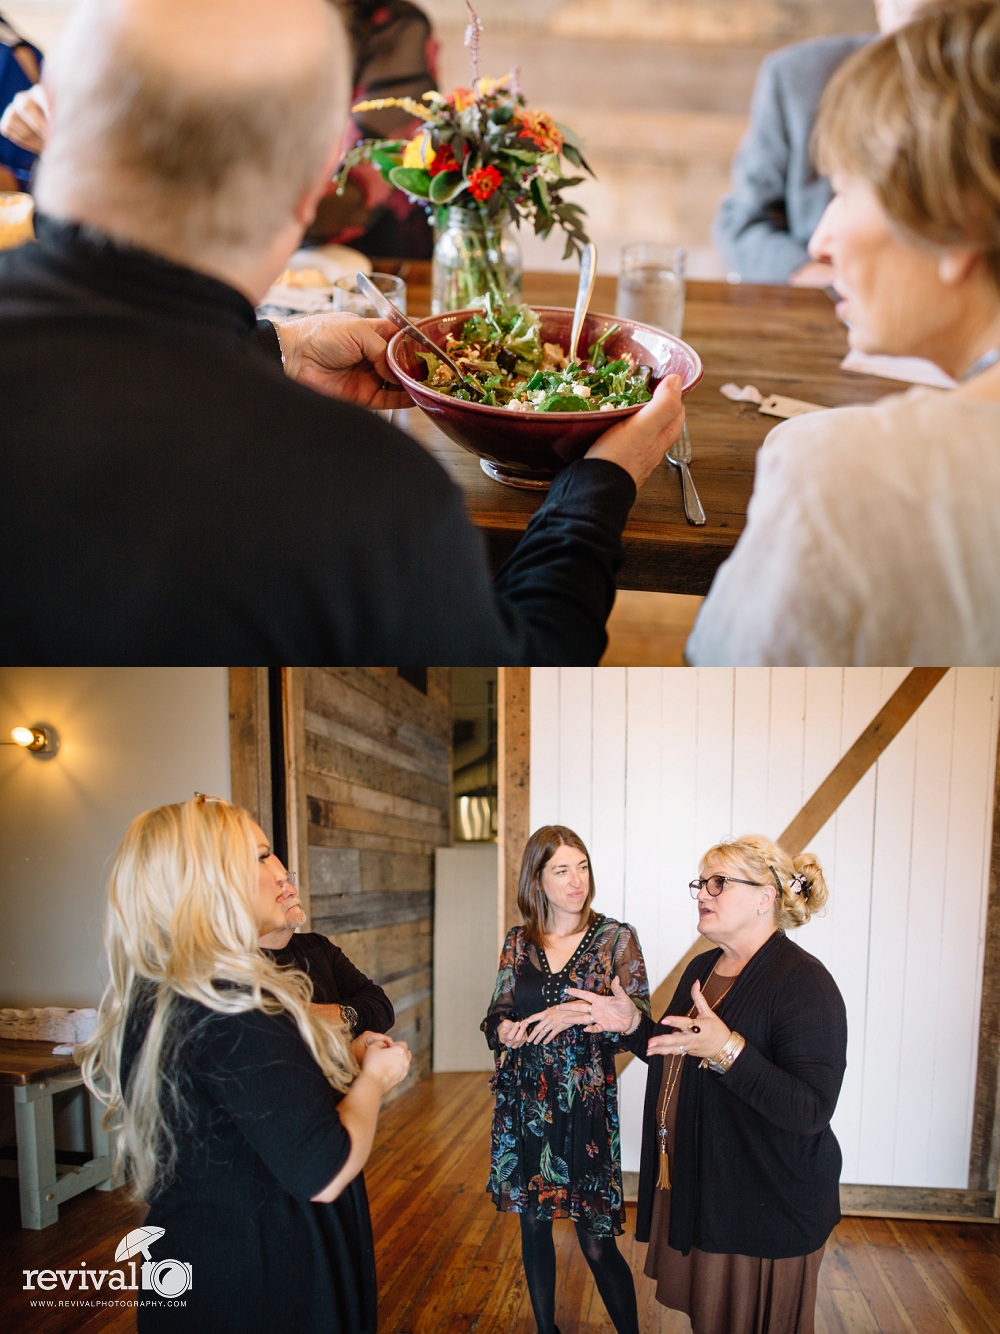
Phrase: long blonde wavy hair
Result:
[180,922]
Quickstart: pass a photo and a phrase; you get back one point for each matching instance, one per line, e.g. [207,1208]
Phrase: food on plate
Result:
[302,279]
[501,349]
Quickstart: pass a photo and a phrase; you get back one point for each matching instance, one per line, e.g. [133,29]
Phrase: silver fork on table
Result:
[679,454]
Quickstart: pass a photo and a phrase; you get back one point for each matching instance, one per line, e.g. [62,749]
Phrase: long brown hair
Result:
[531,897]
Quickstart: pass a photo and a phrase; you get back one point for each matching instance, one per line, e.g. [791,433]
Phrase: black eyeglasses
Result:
[715,884]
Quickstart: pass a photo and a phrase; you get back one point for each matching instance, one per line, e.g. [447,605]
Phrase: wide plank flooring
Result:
[449,1264]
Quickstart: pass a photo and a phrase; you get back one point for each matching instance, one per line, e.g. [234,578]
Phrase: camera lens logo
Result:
[169,1278]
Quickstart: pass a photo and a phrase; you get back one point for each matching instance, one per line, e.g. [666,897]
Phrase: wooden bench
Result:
[36,1076]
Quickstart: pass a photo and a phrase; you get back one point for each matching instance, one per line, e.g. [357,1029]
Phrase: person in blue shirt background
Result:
[20,69]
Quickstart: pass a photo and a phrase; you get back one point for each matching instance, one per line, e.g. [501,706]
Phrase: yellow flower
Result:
[486,86]
[418,152]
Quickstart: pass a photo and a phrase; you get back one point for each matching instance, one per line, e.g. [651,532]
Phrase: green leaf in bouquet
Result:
[573,154]
[540,194]
[385,161]
[446,186]
[413,180]
[521,154]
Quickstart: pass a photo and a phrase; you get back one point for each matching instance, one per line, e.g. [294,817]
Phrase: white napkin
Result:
[775,406]
[912,370]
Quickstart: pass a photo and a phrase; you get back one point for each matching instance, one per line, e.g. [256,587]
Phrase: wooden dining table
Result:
[783,340]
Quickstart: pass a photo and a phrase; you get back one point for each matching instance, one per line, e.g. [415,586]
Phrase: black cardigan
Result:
[756,1168]
[336,981]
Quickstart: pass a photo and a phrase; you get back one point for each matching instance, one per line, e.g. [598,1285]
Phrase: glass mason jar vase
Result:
[472,256]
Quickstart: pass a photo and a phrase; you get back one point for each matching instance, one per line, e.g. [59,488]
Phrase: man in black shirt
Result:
[338,986]
[173,494]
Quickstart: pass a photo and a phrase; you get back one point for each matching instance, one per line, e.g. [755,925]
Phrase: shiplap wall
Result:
[651,766]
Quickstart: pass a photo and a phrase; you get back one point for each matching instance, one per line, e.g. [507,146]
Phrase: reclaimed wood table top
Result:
[23,1061]
[784,340]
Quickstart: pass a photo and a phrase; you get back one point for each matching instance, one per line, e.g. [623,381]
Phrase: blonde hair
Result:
[917,116]
[180,923]
[800,889]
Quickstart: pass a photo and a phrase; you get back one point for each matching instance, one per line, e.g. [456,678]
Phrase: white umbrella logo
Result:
[138,1241]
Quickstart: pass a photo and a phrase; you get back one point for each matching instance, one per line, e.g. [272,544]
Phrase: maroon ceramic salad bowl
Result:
[527,449]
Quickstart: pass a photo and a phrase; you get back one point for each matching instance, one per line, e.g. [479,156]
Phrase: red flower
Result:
[444,161]
[483,182]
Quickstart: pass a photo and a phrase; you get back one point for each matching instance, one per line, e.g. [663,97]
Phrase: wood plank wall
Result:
[375,778]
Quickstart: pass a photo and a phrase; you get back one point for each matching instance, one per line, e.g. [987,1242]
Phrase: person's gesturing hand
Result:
[342,356]
[705,1035]
[368,1039]
[609,1014]
[388,1065]
[639,443]
[25,122]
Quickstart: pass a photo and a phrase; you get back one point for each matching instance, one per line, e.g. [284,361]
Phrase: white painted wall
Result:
[653,765]
[465,953]
[132,738]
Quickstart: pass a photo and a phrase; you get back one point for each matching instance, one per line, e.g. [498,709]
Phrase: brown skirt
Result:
[732,1294]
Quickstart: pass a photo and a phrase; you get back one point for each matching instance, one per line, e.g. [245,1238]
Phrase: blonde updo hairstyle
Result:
[803,891]
[917,116]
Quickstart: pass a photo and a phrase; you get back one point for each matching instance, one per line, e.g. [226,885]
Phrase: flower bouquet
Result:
[480,159]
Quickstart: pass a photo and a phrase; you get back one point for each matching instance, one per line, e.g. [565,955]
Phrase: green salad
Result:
[501,351]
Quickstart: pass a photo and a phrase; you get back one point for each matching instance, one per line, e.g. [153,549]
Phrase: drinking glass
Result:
[651,286]
[16,211]
[347,297]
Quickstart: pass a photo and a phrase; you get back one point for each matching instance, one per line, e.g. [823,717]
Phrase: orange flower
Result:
[462,98]
[539,127]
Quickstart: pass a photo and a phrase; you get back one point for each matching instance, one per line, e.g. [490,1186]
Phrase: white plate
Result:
[334,261]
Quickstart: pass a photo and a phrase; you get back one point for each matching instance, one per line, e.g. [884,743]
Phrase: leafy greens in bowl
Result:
[500,348]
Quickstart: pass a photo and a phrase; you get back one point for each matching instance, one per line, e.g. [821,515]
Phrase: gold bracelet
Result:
[723,1060]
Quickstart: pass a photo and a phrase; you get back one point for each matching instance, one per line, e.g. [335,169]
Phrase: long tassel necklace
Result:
[673,1075]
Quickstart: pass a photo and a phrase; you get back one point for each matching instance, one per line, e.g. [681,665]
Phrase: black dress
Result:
[556,1142]
[335,979]
[257,1136]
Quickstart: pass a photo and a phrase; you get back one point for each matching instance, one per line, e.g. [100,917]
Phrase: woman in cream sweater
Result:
[873,533]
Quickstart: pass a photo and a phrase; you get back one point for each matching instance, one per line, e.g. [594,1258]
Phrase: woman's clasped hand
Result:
[594,1013]
[704,1035]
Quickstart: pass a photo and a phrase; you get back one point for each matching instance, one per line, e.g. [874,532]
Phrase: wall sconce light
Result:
[40,739]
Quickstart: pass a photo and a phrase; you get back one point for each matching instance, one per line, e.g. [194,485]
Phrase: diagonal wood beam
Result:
[887,724]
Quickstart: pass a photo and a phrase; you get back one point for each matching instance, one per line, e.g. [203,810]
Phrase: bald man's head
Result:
[192,126]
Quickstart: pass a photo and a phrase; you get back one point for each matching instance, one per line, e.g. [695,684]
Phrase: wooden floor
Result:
[448,1263]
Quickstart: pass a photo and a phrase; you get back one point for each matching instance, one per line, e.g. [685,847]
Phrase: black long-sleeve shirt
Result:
[756,1167]
[172,497]
[336,981]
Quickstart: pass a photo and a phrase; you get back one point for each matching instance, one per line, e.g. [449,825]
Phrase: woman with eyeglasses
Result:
[242,1113]
[740,1171]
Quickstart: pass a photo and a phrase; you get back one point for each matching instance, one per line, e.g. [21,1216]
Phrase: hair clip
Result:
[799,885]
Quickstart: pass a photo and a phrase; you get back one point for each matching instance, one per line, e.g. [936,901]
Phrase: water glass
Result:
[16,210]
[651,286]
[347,297]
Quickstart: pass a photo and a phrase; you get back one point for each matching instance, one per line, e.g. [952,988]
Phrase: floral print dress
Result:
[555,1140]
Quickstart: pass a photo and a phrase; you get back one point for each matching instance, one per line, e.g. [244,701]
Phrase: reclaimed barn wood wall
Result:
[375,779]
[367,772]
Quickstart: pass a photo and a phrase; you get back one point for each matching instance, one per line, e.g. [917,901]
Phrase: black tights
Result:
[607,1264]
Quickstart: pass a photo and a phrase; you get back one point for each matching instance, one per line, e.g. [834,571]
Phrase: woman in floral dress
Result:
[555,1142]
